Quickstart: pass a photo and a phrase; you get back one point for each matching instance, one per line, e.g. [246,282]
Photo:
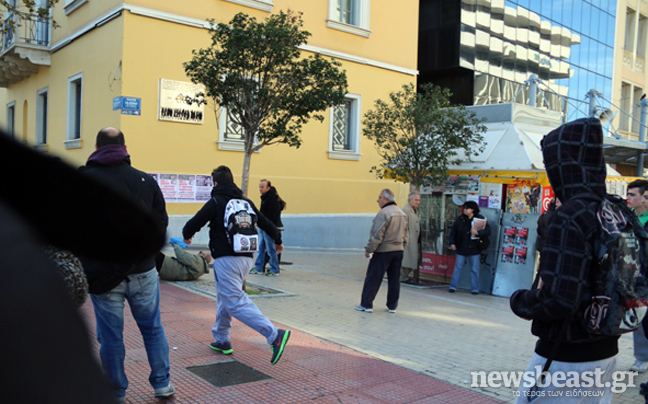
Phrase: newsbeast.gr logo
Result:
[557,380]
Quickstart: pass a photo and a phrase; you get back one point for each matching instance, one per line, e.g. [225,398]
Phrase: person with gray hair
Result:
[387,240]
[412,256]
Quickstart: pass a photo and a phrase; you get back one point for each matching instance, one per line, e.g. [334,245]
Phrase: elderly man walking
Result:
[387,240]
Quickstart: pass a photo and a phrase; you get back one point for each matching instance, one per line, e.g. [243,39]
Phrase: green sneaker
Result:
[279,345]
[255,272]
[224,347]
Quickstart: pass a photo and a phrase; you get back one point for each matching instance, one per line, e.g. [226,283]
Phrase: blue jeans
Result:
[473,261]
[143,294]
[266,244]
[232,301]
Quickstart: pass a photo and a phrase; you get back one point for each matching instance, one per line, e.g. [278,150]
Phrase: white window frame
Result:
[71,141]
[42,114]
[223,143]
[360,28]
[11,119]
[355,134]
[263,5]
[71,5]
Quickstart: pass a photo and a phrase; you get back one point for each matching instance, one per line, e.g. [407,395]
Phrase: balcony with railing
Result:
[24,48]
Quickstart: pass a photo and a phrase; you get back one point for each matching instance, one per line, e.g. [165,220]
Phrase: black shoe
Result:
[279,345]
[225,347]
[474,293]
[451,290]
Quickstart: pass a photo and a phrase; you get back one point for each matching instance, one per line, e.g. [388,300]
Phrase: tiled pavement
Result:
[422,354]
[311,370]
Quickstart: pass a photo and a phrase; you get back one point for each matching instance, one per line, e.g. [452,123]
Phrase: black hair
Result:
[472,205]
[641,184]
[222,175]
[105,137]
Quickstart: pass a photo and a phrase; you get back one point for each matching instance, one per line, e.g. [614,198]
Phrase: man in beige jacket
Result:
[387,240]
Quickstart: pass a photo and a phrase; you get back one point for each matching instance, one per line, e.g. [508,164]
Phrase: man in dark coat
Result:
[573,157]
[271,207]
[138,282]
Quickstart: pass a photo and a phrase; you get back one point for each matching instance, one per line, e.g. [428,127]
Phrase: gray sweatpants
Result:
[564,391]
[232,301]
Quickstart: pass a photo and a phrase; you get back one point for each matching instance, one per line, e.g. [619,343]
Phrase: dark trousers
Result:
[380,263]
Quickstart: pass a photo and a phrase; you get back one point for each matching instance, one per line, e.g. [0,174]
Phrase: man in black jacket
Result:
[271,207]
[139,282]
[573,157]
[231,268]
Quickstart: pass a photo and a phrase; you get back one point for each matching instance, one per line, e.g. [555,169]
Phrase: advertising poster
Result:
[509,235]
[169,186]
[507,253]
[521,236]
[520,255]
[184,188]
[492,194]
[547,196]
[523,199]
[175,102]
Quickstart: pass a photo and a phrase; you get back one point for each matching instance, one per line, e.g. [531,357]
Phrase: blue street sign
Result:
[128,105]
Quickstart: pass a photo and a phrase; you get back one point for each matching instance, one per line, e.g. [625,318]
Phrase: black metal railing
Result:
[32,30]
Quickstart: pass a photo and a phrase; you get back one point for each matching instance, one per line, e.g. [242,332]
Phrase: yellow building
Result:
[64,84]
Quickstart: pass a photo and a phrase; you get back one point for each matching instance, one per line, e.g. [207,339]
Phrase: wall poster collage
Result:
[515,245]
[184,188]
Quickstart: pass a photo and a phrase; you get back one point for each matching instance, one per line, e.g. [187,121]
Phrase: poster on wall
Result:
[175,102]
[547,196]
[184,188]
[523,198]
[490,196]
[515,245]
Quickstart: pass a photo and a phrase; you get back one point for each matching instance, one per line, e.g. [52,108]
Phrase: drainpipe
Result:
[642,135]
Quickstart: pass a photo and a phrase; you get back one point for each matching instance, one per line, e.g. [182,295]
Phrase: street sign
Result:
[128,105]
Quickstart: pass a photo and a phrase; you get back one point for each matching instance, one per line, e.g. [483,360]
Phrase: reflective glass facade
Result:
[484,50]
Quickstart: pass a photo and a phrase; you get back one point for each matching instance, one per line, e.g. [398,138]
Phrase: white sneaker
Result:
[167,391]
[639,366]
[361,308]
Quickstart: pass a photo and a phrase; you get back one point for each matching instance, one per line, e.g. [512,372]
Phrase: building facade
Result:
[486,50]
[631,76]
[115,63]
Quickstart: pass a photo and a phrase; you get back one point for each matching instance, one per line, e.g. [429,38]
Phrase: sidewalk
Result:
[424,353]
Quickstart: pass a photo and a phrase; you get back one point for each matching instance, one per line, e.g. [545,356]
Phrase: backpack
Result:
[620,287]
[240,225]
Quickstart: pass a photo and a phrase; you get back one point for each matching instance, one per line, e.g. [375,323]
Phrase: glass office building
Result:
[485,50]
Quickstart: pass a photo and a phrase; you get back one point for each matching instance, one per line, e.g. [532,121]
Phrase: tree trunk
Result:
[245,175]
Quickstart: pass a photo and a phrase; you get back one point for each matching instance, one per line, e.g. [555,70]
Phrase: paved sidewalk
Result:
[424,353]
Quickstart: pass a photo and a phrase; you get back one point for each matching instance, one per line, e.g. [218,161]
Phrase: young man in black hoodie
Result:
[231,268]
[573,157]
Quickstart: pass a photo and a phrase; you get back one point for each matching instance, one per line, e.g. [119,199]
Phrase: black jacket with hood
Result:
[573,157]
[214,212]
[271,207]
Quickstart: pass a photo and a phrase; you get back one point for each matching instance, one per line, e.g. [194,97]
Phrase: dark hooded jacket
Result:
[214,212]
[573,157]
[271,207]
[111,165]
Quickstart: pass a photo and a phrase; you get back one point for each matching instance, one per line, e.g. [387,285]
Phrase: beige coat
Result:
[412,254]
[389,230]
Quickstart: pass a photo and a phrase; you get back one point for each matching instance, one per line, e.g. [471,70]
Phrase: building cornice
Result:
[197,23]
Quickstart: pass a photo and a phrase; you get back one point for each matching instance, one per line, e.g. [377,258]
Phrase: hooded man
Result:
[573,157]
[231,268]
